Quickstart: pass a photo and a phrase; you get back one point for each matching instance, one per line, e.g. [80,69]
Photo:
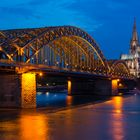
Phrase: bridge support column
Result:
[80,86]
[28,90]
[87,87]
[126,85]
[10,90]
[103,87]
[115,86]
[18,90]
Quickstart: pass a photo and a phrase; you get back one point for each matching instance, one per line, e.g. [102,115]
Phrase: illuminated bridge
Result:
[66,51]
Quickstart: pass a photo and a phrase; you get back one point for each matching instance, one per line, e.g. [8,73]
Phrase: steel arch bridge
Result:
[119,69]
[64,47]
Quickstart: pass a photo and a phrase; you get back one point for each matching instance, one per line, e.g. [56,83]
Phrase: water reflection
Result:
[101,121]
[69,100]
[33,127]
[117,103]
[62,99]
[117,120]
[51,99]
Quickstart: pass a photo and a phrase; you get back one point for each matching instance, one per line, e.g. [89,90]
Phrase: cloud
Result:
[46,13]
[109,21]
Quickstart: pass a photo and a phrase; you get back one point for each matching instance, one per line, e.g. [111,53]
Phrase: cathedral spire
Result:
[134,41]
[135,34]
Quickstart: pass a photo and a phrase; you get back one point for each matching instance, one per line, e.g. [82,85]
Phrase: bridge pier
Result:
[87,87]
[28,90]
[114,84]
[99,86]
[9,90]
[103,87]
[122,86]
[126,85]
[18,90]
[80,86]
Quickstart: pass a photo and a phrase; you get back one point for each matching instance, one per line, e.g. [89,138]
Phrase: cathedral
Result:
[133,58]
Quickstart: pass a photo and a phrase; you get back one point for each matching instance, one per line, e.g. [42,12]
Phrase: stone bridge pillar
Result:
[80,86]
[122,86]
[18,90]
[28,90]
[103,87]
[127,85]
[115,86]
[91,86]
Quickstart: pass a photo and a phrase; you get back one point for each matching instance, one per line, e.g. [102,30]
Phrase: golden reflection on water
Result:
[117,123]
[69,100]
[117,103]
[34,127]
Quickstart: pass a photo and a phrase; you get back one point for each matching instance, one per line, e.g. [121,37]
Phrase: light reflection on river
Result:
[62,99]
[116,119]
[117,126]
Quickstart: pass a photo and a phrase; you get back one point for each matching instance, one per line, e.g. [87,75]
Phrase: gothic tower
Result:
[134,43]
[133,58]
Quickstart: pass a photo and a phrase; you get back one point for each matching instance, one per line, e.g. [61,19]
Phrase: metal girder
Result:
[70,45]
[120,69]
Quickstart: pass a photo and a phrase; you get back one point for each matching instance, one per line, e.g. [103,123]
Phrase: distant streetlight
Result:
[41,74]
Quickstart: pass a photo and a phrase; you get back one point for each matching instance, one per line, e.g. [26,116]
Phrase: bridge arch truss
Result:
[66,47]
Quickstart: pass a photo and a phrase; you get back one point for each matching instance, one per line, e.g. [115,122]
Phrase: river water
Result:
[57,100]
[93,119]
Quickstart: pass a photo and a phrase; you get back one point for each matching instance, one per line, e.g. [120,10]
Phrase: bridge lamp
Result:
[41,74]
[118,80]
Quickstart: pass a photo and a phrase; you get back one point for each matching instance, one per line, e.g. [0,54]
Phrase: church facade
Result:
[133,58]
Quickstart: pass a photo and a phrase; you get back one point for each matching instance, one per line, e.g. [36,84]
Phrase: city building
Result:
[133,58]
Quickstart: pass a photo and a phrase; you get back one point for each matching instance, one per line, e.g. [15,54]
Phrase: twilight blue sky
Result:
[108,21]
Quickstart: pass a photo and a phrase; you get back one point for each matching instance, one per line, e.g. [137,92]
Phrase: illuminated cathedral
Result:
[133,58]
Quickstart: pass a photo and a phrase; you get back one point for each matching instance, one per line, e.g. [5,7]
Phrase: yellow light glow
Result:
[69,100]
[28,90]
[117,102]
[69,87]
[40,74]
[120,93]
[118,128]
[33,127]
[120,85]
[118,80]
[118,111]
[115,86]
